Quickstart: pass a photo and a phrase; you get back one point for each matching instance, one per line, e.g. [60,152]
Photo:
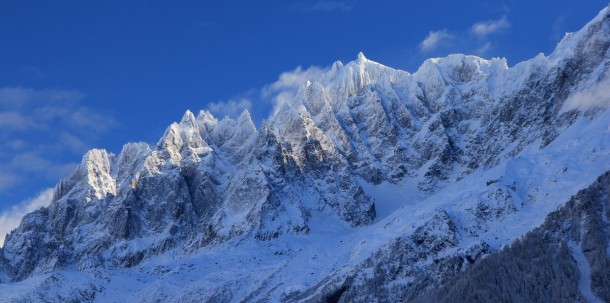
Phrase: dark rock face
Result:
[564,260]
[184,192]
[404,269]
[437,234]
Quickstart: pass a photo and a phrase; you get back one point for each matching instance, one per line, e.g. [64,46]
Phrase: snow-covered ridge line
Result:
[343,81]
[368,174]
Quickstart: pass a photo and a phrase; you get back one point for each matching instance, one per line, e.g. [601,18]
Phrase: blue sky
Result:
[81,74]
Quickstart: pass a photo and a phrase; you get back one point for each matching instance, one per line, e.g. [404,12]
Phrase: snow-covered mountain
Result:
[370,185]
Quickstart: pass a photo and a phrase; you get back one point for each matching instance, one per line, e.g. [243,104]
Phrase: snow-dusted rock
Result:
[369,184]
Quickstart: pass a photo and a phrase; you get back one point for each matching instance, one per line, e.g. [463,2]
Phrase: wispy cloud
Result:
[474,39]
[483,49]
[485,28]
[39,128]
[435,39]
[295,78]
[288,84]
[270,97]
[231,108]
[15,121]
[324,6]
[11,218]
[558,32]
[18,97]
[596,96]
[37,162]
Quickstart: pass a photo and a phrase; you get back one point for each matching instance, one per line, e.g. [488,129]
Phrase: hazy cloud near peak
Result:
[558,31]
[296,78]
[269,97]
[484,48]
[435,39]
[288,84]
[470,40]
[596,96]
[11,218]
[485,28]
[231,108]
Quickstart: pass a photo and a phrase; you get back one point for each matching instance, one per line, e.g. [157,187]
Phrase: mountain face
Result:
[370,185]
[569,254]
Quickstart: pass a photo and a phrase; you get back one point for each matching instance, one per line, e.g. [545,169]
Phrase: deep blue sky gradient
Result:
[143,63]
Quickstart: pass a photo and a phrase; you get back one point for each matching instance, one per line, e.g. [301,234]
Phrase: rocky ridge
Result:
[312,169]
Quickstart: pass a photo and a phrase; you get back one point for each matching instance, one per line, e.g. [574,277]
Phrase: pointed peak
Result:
[337,65]
[244,117]
[96,167]
[604,13]
[188,119]
[95,155]
[207,117]
[571,42]
[361,57]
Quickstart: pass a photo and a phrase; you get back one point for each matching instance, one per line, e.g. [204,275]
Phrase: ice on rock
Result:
[171,144]
[585,37]
[131,162]
[96,167]
[183,142]
[361,57]
[188,119]
[206,119]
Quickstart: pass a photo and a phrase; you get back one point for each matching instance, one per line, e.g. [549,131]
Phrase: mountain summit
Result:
[370,185]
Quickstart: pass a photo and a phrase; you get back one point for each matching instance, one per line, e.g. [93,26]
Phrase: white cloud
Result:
[72,142]
[26,109]
[435,39]
[596,96]
[296,78]
[74,117]
[16,121]
[274,94]
[484,48]
[39,128]
[16,97]
[11,218]
[288,84]
[231,108]
[484,28]
[558,31]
